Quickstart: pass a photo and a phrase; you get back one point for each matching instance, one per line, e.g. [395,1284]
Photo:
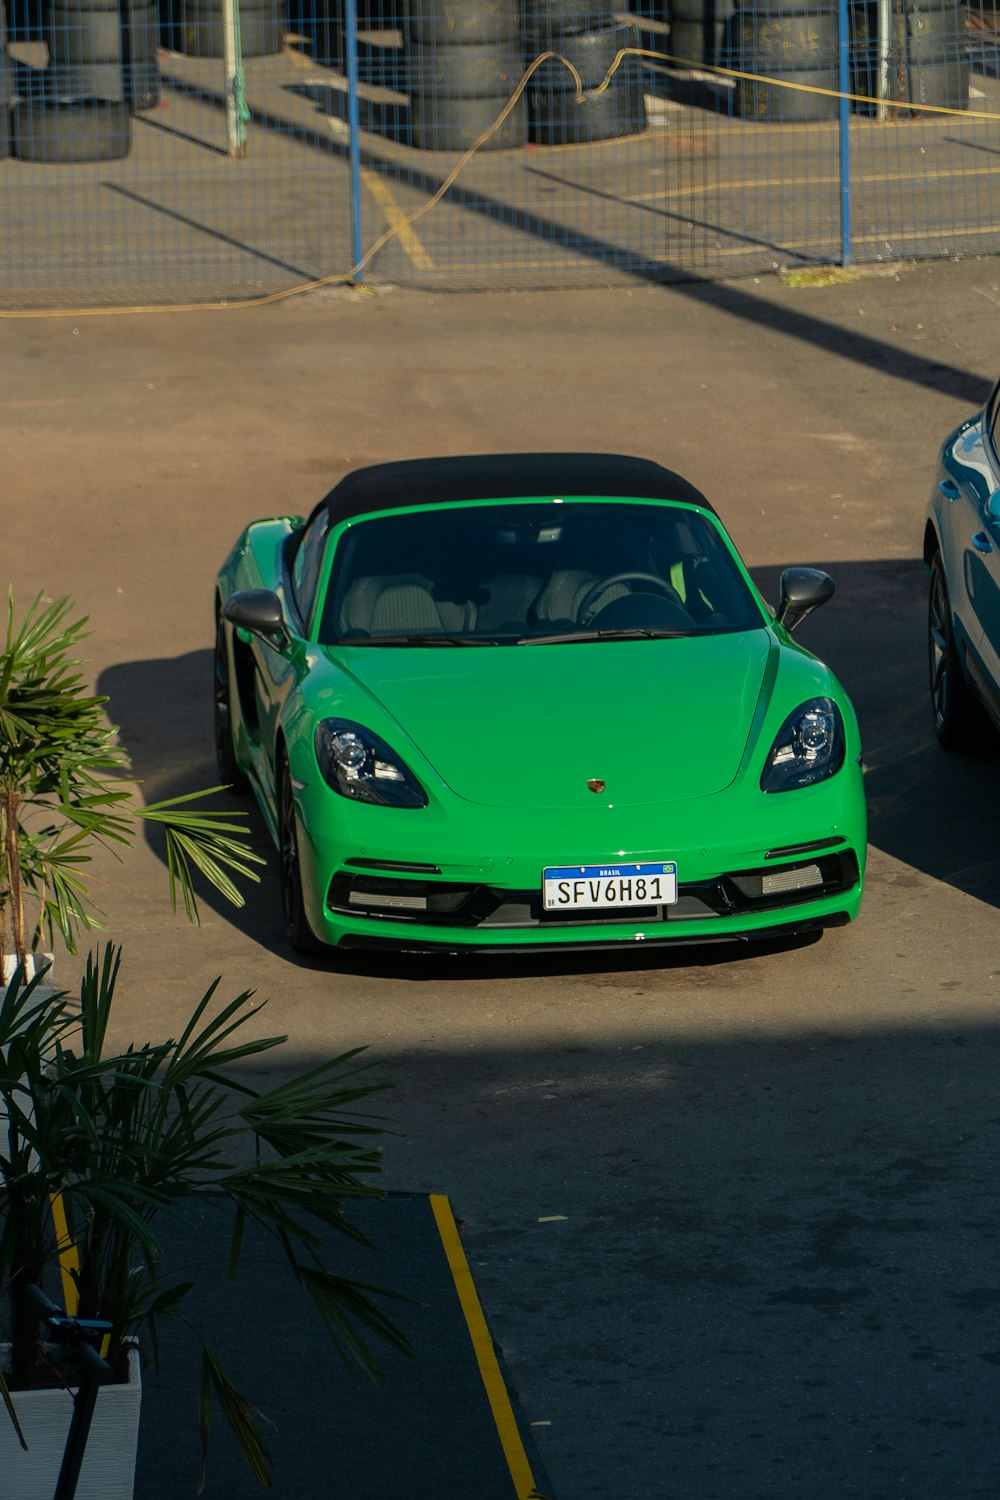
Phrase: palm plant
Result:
[63,791]
[125,1138]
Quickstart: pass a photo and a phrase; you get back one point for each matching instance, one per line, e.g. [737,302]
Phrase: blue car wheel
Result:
[953,705]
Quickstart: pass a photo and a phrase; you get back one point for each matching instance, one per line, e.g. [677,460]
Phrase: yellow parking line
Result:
[489,1369]
[397,220]
[831,180]
[826,244]
[69,1256]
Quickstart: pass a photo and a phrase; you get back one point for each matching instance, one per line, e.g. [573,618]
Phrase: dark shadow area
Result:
[692,88]
[934,811]
[757,1266]
[388,118]
[29,81]
[367,1441]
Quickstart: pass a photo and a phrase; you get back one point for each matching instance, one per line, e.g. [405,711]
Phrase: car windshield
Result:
[534,573]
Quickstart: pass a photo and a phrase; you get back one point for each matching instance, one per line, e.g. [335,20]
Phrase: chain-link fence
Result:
[163,151]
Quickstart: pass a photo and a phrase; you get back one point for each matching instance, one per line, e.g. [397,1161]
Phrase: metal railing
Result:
[195,151]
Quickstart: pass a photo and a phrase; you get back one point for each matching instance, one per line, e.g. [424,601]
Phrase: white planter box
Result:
[108,1471]
[32,962]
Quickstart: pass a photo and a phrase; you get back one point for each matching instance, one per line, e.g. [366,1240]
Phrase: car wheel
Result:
[297,929]
[225,755]
[71,130]
[953,706]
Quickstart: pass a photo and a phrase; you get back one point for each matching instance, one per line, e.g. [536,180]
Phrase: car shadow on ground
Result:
[929,810]
[934,811]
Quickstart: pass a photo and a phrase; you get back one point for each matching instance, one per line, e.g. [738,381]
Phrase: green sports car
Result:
[533,700]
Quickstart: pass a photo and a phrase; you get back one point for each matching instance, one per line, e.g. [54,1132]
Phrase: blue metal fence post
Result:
[844,85]
[354,129]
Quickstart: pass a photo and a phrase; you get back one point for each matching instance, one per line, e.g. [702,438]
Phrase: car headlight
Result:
[808,748]
[360,765]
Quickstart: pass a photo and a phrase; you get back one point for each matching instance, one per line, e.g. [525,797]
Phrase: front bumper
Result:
[434,879]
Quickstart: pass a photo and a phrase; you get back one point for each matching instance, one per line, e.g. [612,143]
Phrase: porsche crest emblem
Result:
[596,784]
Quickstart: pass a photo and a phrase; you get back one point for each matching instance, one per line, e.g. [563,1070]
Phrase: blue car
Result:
[962,553]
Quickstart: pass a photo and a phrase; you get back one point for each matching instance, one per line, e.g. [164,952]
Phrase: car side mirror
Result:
[993,508]
[258,611]
[802,591]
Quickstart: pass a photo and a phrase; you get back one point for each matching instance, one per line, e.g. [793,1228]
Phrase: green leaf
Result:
[133,1136]
[5,1395]
[240,1416]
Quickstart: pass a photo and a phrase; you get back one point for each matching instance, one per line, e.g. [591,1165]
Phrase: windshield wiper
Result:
[633,633]
[422,640]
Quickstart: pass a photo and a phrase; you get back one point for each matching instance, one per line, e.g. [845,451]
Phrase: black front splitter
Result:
[356,942]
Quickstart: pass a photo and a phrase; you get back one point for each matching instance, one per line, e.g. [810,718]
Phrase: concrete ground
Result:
[733,1217]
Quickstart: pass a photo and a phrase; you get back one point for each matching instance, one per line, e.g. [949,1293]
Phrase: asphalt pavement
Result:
[732,1218]
[442,1422]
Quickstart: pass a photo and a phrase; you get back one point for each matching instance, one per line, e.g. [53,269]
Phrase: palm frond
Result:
[128,1137]
[240,1416]
[11,1412]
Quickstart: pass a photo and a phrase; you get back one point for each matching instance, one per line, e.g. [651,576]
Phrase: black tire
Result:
[789,105]
[955,711]
[592,54]
[935,62]
[556,119]
[769,10]
[462,23]
[791,39]
[297,929]
[225,754]
[795,46]
[75,35]
[955,23]
[74,131]
[262,29]
[939,81]
[543,22]
[439,122]
[946,24]
[487,70]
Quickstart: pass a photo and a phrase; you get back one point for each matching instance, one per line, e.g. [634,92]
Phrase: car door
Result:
[983,560]
[277,671]
[964,483]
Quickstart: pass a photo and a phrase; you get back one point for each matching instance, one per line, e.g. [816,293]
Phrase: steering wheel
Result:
[660,585]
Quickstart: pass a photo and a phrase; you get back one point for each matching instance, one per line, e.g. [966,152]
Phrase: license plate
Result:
[575,887]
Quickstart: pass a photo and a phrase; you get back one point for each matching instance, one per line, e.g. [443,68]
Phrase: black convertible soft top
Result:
[504,476]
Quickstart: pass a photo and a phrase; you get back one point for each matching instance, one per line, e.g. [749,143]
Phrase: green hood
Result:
[529,726]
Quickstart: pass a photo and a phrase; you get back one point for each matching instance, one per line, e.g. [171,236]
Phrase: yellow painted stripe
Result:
[826,245]
[399,222]
[69,1256]
[493,1381]
[730,185]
